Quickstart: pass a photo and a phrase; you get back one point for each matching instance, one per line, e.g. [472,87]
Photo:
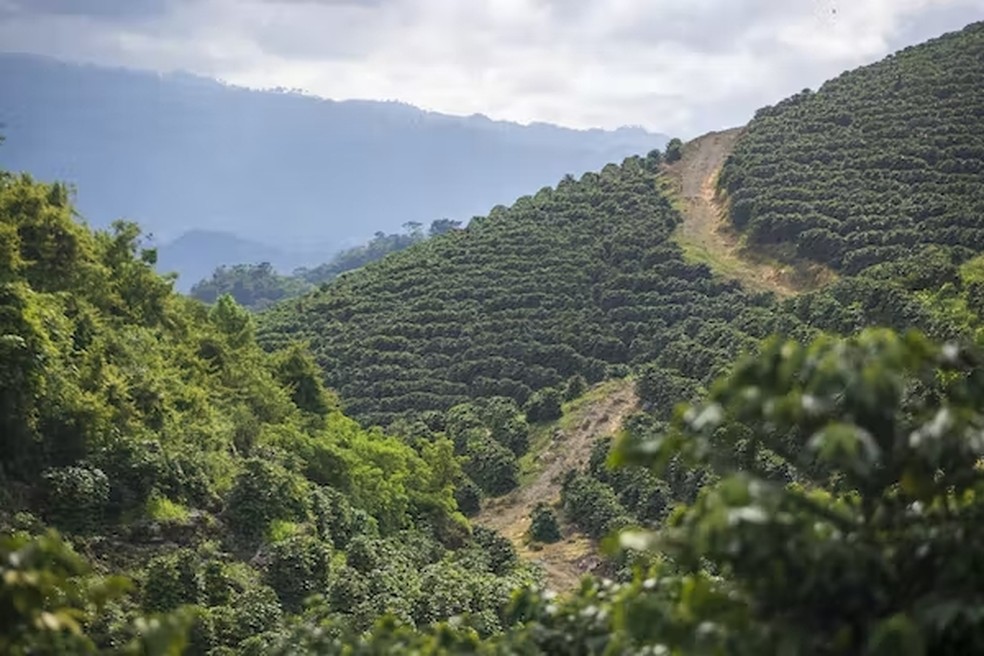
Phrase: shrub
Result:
[593,506]
[468,496]
[76,497]
[543,405]
[491,466]
[162,509]
[543,524]
[575,387]
[297,568]
[263,492]
[674,150]
[499,550]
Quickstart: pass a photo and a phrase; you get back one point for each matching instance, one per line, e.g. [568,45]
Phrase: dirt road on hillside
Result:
[570,447]
[706,233]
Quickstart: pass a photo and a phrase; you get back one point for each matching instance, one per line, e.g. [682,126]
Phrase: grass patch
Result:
[162,509]
[730,267]
[280,530]
[972,270]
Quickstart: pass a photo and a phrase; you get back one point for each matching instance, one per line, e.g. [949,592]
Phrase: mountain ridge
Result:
[277,168]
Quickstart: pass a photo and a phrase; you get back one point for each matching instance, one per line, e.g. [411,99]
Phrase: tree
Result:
[544,405]
[49,595]
[674,150]
[543,524]
[441,226]
[413,228]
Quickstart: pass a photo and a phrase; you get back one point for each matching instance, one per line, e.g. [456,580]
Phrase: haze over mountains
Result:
[268,174]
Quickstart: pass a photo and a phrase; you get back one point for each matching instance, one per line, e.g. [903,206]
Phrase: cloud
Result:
[680,66]
[107,9]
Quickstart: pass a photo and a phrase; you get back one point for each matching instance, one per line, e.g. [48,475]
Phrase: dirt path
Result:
[706,233]
[569,447]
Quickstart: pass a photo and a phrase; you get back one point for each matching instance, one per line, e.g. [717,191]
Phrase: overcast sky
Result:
[676,66]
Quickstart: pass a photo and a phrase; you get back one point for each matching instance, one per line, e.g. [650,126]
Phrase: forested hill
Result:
[580,279]
[302,176]
[169,448]
[880,161]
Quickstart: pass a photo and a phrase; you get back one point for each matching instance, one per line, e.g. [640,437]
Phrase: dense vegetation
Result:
[253,286]
[156,433]
[256,286]
[580,280]
[821,496]
[843,516]
[878,162]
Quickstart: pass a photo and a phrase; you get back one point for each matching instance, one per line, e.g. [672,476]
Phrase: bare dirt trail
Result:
[706,233]
[569,448]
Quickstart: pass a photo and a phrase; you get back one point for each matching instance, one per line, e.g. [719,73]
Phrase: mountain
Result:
[195,253]
[615,273]
[180,153]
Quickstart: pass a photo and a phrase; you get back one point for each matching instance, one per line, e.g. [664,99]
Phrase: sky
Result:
[681,67]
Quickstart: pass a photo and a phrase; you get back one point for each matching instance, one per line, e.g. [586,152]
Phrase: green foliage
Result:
[544,405]
[563,283]
[878,162]
[592,506]
[49,597]
[543,524]
[660,390]
[468,496]
[254,286]
[297,568]
[258,286]
[221,477]
[163,509]
[861,554]
[378,247]
[265,491]
[296,370]
[76,496]
[575,387]
[491,466]
[674,151]
[172,580]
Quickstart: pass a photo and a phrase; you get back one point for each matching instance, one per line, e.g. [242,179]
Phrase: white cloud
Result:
[680,66]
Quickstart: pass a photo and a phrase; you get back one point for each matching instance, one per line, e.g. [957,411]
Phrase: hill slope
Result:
[168,447]
[569,281]
[290,171]
[706,234]
[880,161]
[566,447]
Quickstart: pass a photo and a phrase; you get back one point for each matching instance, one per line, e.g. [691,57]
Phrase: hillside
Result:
[169,448]
[877,163]
[558,450]
[300,175]
[256,286]
[705,233]
[572,281]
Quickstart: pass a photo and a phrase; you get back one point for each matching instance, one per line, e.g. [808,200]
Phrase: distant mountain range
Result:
[222,174]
